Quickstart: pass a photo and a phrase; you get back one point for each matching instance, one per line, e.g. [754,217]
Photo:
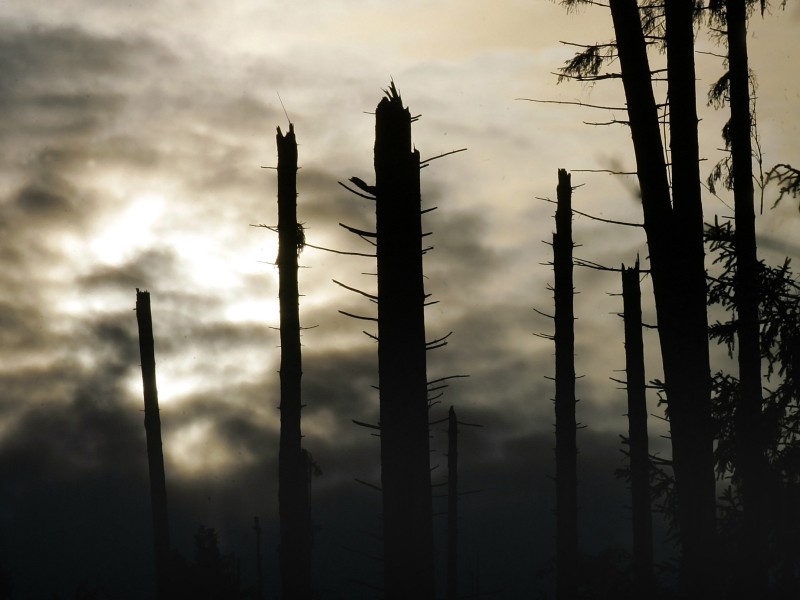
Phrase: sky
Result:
[132,141]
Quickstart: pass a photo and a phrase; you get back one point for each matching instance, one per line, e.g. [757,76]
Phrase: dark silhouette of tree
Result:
[788,180]
[779,349]
[211,575]
[405,462]
[155,456]
[293,473]
[566,425]
[452,505]
[637,440]
[751,461]
[674,227]
[259,563]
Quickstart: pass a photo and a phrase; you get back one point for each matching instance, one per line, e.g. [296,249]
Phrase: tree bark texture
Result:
[155,455]
[751,462]
[674,236]
[566,426]
[405,462]
[643,581]
[293,486]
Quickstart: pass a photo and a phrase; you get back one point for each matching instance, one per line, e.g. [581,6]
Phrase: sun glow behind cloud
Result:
[131,230]
[194,449]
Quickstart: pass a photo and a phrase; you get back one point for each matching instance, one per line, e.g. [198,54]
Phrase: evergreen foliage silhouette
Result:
[779,349]
[211,575]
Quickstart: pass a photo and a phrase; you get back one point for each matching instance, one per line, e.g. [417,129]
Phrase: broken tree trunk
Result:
[155,455]
[566,425]
[405,463]
[293,489]
[639,455]
[452,505]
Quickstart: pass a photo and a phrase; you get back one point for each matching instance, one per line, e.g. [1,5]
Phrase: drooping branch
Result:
[788,180]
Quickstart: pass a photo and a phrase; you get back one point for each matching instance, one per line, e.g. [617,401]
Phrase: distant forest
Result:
[729,492]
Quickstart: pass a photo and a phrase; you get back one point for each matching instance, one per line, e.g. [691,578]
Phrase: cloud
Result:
[134,137]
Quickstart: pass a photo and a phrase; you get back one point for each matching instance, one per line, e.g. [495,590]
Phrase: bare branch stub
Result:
[352,191]
[359,232]
[428,160]
[574,103]
[339,251]
[360,317]
[357,291]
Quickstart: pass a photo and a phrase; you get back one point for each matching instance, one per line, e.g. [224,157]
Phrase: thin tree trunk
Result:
[751,464]
[259,564]
[452,505]
[690,411]
[293,490]
[566,426]
[155,455]
[676,256]
[637,435]
[405,463]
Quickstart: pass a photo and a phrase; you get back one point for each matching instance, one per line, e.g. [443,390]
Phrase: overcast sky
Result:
[132,140]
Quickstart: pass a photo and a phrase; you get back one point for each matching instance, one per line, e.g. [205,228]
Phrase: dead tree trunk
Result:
[674,237]
[637,435]
[155,455]
[751,464]
[259,565]
[452,505]
[566,425]
[293,490]
[405,463]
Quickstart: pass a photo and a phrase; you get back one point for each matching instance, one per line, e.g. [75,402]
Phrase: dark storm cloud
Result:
[48,202]
[54,53]
[45,205]
[62,81]
[20,327]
